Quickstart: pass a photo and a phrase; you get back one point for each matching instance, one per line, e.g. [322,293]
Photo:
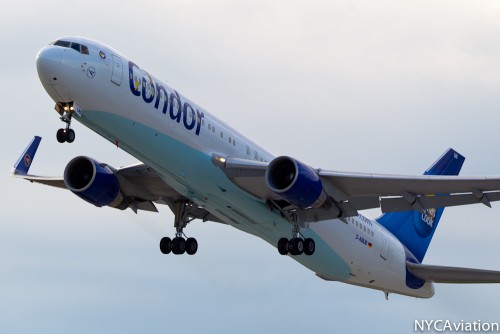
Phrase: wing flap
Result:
[398,204]
[441,274]
[142,182]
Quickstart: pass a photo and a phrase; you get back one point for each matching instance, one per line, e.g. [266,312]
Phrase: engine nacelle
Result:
[296,182]
[94,182]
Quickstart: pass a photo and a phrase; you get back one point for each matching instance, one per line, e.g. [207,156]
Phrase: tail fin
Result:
[413,228]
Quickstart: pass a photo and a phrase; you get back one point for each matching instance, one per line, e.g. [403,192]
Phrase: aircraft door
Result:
[117,72]
[384,252]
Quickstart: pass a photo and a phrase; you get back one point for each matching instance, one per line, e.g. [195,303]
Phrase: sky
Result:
[371,86]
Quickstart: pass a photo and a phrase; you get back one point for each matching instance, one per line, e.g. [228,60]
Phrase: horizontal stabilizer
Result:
[441,274]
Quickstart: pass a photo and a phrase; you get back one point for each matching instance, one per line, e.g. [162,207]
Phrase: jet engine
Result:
[94,182]
[295,182]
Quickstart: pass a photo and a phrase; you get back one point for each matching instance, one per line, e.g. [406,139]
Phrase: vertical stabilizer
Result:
[413,228]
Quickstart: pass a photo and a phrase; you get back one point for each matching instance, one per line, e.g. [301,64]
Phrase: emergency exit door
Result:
[117,72]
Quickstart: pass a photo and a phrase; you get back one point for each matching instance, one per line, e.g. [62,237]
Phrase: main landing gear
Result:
[178,245]
[296,245]
[67,134]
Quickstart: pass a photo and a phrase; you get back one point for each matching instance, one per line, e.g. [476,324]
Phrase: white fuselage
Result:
[132,108]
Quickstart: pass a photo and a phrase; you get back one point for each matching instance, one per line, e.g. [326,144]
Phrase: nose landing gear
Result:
[67,134]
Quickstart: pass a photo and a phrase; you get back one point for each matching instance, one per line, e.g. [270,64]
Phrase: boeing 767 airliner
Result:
[204,169]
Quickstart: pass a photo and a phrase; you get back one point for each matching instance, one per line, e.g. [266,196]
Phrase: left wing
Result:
[442,274]
[404,193]
[349,192]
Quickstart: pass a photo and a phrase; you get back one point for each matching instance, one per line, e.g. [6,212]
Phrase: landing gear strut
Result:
[67,134]
[296,245]
[178,245]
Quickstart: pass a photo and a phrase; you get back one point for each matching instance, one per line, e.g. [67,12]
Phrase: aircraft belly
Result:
[192,174]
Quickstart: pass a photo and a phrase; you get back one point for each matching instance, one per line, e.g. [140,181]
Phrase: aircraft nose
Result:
[48,61]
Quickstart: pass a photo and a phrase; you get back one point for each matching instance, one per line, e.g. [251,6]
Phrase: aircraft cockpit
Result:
[75,46]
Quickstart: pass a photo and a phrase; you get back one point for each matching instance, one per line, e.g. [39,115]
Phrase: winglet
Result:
[23,164]
[449,163]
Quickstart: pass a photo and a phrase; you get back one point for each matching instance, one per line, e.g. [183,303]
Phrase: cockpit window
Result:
[84,49]
[75,46]
[64,44]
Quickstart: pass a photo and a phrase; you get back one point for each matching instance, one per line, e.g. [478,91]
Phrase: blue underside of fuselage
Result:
[192,173]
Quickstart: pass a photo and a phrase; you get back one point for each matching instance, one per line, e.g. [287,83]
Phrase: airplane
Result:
[203,169]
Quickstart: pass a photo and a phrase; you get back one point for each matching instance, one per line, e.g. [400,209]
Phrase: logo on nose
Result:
[91,72]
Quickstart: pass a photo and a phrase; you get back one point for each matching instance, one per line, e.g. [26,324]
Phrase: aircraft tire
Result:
[296,246]
[191,246]
[309,246]
[70,136]
[178,246]
[165,245]
[283,246]
[61,135]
